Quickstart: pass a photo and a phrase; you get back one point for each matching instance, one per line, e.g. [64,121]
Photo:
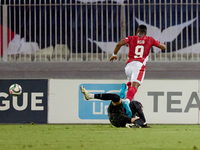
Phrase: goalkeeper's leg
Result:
[103,96]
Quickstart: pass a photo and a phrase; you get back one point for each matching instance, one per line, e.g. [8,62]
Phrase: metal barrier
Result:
[88,30]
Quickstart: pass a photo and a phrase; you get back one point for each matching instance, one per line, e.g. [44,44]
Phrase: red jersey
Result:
[139,48]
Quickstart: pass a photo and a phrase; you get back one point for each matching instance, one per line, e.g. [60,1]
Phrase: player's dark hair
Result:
[142,29]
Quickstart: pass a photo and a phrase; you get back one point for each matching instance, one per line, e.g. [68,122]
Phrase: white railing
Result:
[86,30]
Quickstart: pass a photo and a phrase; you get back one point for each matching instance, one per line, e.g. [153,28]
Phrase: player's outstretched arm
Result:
[117,48]
[162,46]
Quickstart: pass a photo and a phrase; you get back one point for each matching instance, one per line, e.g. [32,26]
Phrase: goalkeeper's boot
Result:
[123,90]
[145,125]
[127,107]
[85,93]
[132,125]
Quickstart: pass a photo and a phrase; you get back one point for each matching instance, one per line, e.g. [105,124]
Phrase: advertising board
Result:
[30,106]
[164,101]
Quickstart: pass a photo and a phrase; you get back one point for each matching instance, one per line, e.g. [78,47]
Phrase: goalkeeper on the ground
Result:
[117,112]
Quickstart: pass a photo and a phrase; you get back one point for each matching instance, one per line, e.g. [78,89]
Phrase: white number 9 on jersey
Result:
[139,50]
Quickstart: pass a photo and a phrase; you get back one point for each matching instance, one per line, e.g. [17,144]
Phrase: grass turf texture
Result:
[99,137]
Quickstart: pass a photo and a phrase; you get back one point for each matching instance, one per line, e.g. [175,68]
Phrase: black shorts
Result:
[136,108]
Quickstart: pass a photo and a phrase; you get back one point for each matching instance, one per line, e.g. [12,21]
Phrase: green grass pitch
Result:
[99,137]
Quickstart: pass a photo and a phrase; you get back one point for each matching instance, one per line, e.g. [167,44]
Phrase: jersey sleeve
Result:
[155,42]
[127,39]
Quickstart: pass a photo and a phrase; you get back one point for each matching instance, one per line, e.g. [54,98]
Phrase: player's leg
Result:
[128,85]
[132,91]
[108,96]
[137,108]
[125,103]
[103,96]
[135,72]
[136,124]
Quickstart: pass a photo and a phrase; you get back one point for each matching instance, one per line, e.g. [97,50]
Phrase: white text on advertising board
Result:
[5,103]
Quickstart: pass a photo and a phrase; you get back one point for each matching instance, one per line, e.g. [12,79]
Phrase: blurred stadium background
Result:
[77,30]
[43,40]
[74,33]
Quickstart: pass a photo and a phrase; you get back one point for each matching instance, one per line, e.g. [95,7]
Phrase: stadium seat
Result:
[92,57]
[25,57]
[41,58]
[46,52]
[10,58]
[180,57]
[106,57]
[60,51]
[58,59]
[123,57]
[195,57]
[75,57]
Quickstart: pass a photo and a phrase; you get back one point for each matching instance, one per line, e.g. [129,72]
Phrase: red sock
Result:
[131,93]
[129,85]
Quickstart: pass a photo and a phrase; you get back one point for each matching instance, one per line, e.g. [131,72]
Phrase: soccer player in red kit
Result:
[139,49]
